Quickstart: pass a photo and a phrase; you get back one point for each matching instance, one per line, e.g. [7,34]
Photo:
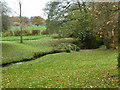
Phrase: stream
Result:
[36,56]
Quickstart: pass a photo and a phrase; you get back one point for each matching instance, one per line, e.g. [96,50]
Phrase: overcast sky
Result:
[34,7]
[29,7]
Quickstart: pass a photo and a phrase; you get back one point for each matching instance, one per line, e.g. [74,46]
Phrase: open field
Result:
[86,68]
[17,38]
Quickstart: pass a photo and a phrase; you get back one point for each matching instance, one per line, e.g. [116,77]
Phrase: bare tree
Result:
[20,16]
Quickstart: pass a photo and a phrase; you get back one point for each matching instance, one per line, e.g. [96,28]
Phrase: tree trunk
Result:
[119,36]
[21,39]
[119,45]
[113,38]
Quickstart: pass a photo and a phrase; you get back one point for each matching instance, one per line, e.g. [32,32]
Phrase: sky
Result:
[32,8]
[29,7]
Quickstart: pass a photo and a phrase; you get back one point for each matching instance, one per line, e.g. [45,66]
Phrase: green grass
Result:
[17,38]
[83,69]
[15,51]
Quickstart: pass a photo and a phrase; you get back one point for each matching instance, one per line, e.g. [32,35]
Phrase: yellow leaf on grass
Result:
[108,22]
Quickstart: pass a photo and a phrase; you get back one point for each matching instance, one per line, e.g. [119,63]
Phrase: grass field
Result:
[83,69]
[15,51]
[17,38]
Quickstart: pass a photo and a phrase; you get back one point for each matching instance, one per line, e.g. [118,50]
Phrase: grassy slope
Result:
[15,51]
[86,68]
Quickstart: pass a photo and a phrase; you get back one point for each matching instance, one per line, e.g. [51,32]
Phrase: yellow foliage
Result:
[114,6]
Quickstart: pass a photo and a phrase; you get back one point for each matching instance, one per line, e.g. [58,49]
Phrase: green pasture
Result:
[90,68]
[83,69]
[15,51]
[17,38]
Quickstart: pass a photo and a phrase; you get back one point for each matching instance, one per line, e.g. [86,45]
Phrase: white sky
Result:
[29,7]
[34,7]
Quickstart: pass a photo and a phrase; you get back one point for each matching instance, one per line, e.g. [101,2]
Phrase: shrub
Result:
[17,33]
[77,49]
[26,33]
[109,43]
[36,32]
[90,42]
[118,59]
[44,32]
[68,50]
[9,33]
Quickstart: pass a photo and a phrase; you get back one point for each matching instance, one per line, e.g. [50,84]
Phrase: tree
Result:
[106,22]
[52,24]
[16,22]
[37,20]
[5,16]
[20,7]
[70,19]
[119,37]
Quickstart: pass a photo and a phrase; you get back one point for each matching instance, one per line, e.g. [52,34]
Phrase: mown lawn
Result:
[17,38]
[83,69]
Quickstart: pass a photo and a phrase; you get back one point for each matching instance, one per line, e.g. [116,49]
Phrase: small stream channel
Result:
[36,55]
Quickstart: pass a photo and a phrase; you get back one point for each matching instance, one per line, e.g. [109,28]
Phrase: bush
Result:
[77,49]
[26,33]
[9,33]
[44,32]
[90,42]
[118,59]
[17,33]
[109,43]
[78,43]
[68,50]
[36,32]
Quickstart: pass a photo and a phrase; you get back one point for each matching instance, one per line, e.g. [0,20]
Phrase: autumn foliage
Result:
[37,20]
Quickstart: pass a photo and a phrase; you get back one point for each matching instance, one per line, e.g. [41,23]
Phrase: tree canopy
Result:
[37,20]
[5,16]
[83,20]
